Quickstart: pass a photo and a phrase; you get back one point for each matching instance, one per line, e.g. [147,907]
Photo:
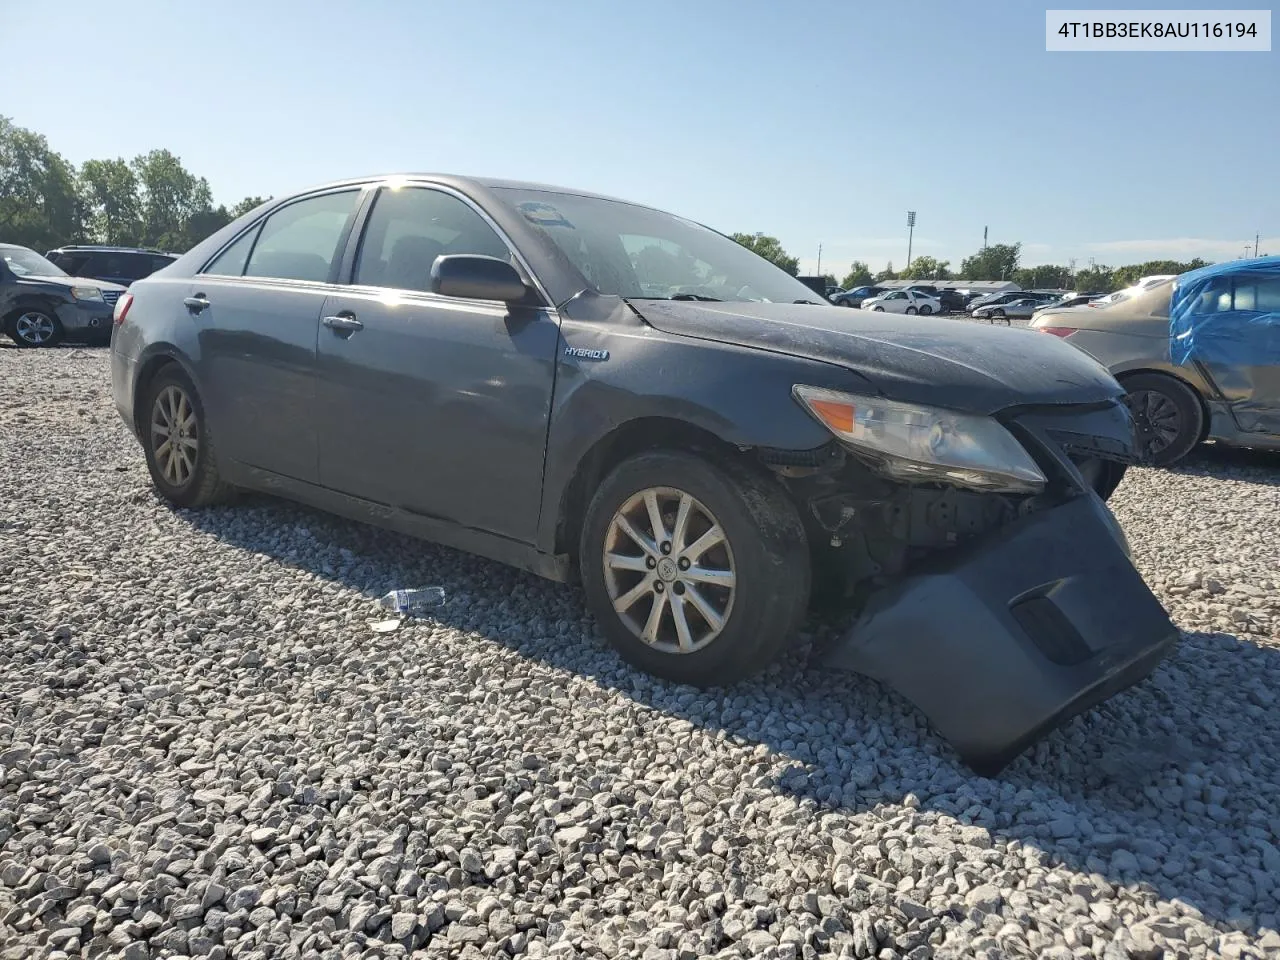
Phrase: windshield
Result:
[631,251]
[28,263]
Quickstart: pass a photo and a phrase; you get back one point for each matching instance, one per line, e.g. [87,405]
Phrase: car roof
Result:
[102,248]
[14,246]
[462,181]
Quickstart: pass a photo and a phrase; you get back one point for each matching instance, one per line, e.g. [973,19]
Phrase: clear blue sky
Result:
[819,122]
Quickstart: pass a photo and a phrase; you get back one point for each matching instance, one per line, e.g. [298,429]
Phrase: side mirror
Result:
[476,278]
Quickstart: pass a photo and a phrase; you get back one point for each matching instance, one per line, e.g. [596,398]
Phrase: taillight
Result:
[122,308]
[1058,331]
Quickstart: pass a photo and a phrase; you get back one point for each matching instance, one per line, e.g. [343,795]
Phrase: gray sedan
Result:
[594,390]
[1003,312]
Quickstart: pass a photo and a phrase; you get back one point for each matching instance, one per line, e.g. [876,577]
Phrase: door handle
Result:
[347,325]
[197,303]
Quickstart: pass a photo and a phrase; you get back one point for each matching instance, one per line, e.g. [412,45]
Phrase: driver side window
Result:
[410,227]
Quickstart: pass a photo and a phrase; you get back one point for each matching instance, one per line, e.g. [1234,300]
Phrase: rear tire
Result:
[756,581]
[911,310]
[178,443]
[1168,415]
[925,310]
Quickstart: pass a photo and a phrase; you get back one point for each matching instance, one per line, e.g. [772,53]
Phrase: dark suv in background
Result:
[121,265]
[40,304]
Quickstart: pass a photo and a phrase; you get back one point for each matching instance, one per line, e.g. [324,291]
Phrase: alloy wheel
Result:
[669,570]
[1157,419]
[34,328]
[175,439]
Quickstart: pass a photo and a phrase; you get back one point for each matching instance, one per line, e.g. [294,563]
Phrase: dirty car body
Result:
[491,389]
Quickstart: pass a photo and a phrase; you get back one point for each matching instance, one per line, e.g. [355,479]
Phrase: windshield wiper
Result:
[695,296]
[812,303]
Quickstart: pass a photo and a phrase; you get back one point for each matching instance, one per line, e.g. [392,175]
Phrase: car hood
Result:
[69,282]
[946,363]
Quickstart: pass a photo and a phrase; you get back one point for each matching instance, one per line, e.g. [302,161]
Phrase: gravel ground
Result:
[205,750]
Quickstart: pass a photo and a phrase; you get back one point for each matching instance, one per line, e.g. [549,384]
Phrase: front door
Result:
[1236,341]
[433,404]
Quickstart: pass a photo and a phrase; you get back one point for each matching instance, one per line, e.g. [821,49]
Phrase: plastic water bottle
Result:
[413,603]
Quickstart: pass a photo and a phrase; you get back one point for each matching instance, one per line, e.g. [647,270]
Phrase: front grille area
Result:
[111,296]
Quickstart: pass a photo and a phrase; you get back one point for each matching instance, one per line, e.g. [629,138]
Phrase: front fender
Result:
[615,369]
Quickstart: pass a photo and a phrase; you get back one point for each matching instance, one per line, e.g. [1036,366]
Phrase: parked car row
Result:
[947,300]
[70,292]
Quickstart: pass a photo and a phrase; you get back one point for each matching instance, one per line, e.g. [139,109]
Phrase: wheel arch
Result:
[621,443]
[149,368]
[1195,389]
[26,301]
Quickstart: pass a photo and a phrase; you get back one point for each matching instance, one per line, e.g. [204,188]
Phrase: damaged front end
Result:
[999,613]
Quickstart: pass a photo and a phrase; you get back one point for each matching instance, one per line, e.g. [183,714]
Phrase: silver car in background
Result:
[1231,395]
[1002,313]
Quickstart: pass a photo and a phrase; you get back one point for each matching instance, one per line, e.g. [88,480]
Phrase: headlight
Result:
[86,293]
[916,443]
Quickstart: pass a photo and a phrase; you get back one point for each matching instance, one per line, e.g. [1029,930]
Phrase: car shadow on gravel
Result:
[1233,463]
[1168,786]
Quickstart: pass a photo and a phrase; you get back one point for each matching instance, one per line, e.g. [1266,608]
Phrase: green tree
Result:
[926,268]
[1050,276]
[112,204]
[770,248]
[245,205]
[859,275]
[204,223]
[1129,275]
[886,274]
[171,197]
[40,206]
[996,262]
[1100,279]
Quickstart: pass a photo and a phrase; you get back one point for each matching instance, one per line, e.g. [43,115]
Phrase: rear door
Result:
[432,404]
[257,307]
[895,302]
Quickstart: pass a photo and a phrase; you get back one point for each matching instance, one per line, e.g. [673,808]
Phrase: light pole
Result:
[819,259]
[911,230]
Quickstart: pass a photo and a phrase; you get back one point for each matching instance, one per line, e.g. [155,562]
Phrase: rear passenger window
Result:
[230,262]
[411,226]
[300,242]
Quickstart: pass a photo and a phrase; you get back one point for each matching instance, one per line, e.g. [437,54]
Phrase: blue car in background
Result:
[1199,354]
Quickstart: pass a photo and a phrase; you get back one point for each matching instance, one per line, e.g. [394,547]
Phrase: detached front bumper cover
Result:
[999,642]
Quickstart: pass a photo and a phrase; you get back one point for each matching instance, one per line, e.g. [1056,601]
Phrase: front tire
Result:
[34,327]
[178,444]
[1168,416]
[911,310]
[697,572]
[877,309]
